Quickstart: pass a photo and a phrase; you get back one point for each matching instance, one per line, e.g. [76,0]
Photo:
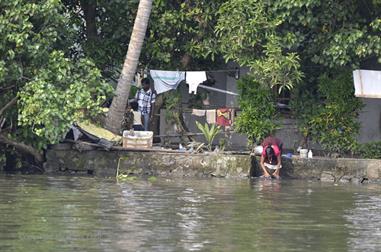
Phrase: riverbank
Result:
[65,159]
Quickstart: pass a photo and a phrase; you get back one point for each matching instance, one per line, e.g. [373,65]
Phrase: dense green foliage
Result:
[103,29]
[181,35]
[258,110]
[248,33]
[52,89]
[67,92]
[369,150]
[330,118]
[271,37]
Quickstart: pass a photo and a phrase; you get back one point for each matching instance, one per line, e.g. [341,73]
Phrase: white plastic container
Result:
[310,155]
[304,153]
[258,150]
[138,139]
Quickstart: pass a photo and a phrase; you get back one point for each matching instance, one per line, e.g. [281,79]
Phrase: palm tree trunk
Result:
[118,105]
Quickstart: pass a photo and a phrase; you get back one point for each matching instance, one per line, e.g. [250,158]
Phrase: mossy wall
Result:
[63,159]
[175,164]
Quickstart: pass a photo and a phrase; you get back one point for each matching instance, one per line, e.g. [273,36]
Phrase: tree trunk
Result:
[89,10]
[118,105]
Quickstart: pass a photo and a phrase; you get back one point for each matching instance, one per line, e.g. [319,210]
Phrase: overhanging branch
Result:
[7,88]
[9,104]
[39,158]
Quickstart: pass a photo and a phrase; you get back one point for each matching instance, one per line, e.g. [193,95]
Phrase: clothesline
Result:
[165,80]
[208,71]
[218,90]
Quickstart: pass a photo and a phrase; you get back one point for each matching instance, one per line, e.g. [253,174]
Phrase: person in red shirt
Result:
[271,157]
[270,140]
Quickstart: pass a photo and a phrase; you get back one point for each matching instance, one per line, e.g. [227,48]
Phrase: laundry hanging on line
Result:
[211,116]
[198,112]
[166,80]
[169,80]
[224,117]
[367,83]
[209,113]
[195,78]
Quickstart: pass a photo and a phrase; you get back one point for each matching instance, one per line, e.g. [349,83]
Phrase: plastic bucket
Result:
[303,153]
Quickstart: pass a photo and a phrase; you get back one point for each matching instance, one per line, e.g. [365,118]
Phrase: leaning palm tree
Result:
[118,105]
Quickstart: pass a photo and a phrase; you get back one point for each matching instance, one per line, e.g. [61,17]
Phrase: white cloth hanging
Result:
[198,112]
[211,116]
[195,78]
[166,80]
[367,83]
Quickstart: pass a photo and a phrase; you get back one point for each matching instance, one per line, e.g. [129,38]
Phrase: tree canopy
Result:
[43,88]
[278,40]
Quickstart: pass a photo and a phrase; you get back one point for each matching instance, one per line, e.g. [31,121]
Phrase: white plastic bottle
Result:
[310,155]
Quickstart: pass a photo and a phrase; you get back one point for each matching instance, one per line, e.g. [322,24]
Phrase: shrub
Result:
[258,110]
[332,120]
[209,132]
[369,150]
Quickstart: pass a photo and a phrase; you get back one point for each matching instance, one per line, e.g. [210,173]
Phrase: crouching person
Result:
[271,161]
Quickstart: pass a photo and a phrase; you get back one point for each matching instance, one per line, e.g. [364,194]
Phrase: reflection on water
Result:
[364,222]
[41,213]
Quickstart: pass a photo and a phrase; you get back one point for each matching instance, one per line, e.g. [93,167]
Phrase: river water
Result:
[41,213]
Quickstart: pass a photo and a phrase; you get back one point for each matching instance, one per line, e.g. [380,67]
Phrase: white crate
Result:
[137,139]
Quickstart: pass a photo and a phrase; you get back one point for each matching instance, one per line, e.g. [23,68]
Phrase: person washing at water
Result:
[271,157]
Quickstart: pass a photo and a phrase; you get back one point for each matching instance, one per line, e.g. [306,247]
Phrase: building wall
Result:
[370,120]
[370,117]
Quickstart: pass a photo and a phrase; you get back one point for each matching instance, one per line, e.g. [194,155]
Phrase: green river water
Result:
[41,213]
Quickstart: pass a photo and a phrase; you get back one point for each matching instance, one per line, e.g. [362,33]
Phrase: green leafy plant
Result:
[369,150]
[331,120]
[172,105]
[256,119]
[209,132]
[61,94]
[44,84]
[248,32]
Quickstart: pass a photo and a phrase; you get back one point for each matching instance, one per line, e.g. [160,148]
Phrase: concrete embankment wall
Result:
[63,159]
[332,169]
[156,163]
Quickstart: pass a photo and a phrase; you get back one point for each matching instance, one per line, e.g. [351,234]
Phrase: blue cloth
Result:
[166,80]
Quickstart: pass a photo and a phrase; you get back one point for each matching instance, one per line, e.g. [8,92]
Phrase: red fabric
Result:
[275,148]
[224,117]
[271,141]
